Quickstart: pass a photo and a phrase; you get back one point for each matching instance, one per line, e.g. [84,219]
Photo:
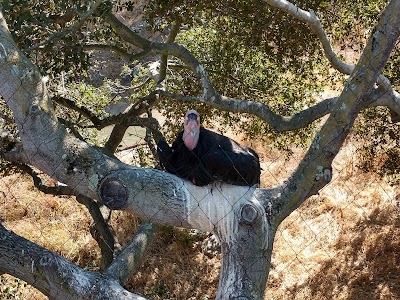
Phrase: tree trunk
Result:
[246,253]
[244,218]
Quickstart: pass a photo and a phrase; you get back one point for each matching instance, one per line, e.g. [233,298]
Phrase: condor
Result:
[203,156]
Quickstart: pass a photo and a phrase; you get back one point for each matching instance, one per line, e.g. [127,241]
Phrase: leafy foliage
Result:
[250,51]
[350,21]
[32,22]
[380,150]
[243,66]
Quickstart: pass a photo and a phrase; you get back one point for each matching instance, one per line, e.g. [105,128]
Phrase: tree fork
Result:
[238,219]
[54,275]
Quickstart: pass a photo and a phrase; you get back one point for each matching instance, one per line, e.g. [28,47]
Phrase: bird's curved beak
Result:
[191,132]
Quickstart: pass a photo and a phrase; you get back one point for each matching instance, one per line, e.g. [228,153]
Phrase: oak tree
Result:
[222,57]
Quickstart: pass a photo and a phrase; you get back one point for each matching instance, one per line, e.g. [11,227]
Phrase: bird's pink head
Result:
[191,131]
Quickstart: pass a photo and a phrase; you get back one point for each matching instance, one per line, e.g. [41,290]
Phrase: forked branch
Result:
[211,97]
[53,275]
[315,24]
[314,171]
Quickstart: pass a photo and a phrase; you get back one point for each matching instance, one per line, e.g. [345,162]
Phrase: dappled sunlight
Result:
[340,244]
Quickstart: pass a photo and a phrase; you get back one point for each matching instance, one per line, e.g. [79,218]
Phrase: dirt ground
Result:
[341,244]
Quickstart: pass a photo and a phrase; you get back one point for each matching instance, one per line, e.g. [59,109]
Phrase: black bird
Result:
[203,156]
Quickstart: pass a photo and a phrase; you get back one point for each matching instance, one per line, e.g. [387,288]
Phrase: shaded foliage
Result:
[380,150]
[250,51]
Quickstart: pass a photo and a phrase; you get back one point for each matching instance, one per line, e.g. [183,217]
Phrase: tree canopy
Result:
[249,50]
[72,68]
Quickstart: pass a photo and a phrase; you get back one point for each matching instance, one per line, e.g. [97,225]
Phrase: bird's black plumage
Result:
[215,158]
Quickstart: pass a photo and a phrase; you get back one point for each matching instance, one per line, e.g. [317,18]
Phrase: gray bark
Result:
[127,262]
[53,275]
[244,218]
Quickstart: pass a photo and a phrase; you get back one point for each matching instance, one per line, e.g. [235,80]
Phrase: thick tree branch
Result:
[101,231]
[392,101]
[228,211]
[128,261]
[125,33]
[314,171]
[46,144]
[116,136]
[52,274]
[263,111]
[300,119]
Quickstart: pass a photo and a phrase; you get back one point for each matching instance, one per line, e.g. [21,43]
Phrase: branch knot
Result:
[113,193]
[248,214]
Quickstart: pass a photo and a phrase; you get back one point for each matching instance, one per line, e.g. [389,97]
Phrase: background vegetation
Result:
[250,51]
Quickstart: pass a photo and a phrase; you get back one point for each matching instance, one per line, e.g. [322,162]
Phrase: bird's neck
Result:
[191,139]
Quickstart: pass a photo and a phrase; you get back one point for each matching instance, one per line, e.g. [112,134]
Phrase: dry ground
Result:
[342,244]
